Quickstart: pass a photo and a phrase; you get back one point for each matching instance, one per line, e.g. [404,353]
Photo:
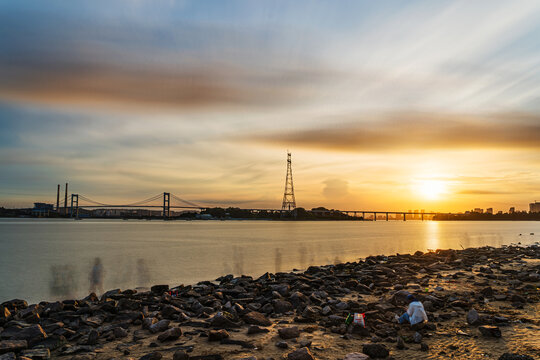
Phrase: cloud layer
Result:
[416,132]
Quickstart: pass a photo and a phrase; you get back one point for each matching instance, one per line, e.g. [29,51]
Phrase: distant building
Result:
[489,211]
[534,207]
[499,212]
[478,210]
[512,210]
[42,209]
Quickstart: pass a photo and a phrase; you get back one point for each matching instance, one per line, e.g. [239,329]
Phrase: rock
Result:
[88,356]
[400,343]
[37,353]
[300,354]
[160,326]
[119,332]
[508,356]
[152,356]
[254,329]
[8,356]
[31,334]
[15,304]
[487,292]
[7,346]
[489,330]
[424,347]
[282,306]
[375,351]
[417,337]
[472,317]
[220,320]
[289,332]
[356,356]
[159,289]
[92,337]
[149,321]
[180,355]
[170,335]
[256,318]
[170,312]
[217,335]
[282,345]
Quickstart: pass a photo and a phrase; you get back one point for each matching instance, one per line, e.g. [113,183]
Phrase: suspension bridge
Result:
[164,201]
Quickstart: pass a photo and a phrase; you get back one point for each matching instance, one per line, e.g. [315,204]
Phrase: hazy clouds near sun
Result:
[201,98]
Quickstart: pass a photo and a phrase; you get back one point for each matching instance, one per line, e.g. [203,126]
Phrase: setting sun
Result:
[430,189]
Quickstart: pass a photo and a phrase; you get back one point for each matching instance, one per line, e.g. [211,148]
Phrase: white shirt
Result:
[416,312]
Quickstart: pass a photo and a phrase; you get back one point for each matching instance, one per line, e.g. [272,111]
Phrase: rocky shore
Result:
[482,303]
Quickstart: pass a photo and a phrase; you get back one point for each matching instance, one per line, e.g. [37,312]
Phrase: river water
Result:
[44,259]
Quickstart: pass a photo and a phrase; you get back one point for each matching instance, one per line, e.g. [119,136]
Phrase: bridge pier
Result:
[404,216]
[374,216]
[422,216]
[386,216]
[363,216]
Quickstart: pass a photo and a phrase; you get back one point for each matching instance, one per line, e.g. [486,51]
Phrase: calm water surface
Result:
[42,259]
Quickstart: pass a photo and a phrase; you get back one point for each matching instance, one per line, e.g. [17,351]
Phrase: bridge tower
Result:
[289,202]
[166,205]
[74,202]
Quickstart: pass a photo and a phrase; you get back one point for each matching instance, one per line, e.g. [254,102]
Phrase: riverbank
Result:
[481,303]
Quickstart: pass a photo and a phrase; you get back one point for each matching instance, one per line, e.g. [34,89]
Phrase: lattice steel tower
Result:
[289,203]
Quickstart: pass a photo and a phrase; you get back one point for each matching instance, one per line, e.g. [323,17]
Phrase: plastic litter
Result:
[356,318]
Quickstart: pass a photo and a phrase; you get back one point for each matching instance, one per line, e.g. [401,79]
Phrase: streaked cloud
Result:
[416,131]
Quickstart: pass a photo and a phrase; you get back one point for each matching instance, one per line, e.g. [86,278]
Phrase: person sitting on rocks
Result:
[415,313]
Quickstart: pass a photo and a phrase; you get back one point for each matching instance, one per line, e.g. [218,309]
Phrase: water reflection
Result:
[277,260]
[432,235]
[96,277]
[63,282]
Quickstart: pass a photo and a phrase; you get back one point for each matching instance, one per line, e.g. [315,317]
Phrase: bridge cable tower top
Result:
[289,202]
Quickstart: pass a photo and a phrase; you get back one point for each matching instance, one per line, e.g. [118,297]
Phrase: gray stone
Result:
[160,326]
[472,317]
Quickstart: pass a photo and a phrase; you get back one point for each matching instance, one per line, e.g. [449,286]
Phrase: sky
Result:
[385,105]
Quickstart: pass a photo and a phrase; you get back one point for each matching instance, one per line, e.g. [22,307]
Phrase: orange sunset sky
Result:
[384,105]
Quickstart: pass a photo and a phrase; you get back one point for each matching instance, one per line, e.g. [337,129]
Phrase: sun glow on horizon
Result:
[430,189]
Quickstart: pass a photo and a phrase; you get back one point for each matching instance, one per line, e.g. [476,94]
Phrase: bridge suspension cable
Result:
[184,201]
[137,203]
